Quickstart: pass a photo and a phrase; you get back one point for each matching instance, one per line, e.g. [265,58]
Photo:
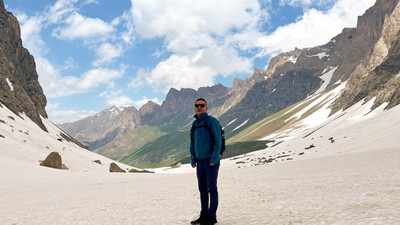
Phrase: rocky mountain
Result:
[20,90]
[376,42]
[365,59]
[98,130]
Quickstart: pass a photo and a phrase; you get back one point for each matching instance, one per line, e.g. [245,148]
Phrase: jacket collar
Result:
[202,116]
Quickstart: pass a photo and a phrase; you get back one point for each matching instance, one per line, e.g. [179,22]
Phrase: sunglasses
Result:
[199,105]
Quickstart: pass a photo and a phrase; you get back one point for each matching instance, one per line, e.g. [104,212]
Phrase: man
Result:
[205,145]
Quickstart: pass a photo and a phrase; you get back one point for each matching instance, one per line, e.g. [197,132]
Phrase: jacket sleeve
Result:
[215,130]
[192,152]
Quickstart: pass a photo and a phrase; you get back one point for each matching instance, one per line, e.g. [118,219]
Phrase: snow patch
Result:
[241,125]
[320,55]
[122,107]
[117,109]
[231,122]
[307,100]
[334,93]
[10,84]
[292,59]
[365,111]
[326,79]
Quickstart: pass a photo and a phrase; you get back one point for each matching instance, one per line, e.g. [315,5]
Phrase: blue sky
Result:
[92,54]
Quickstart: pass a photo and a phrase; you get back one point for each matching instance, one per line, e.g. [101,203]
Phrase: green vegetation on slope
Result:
[272,124]
[169,149]
[163,151]
[130,142]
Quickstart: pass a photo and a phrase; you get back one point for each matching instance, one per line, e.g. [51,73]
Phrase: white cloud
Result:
[52,106]
[128,35]
[120,100]
[64,116]
[58,12]
[55,85]
[315,27]
[193,24]
[205,41]
[177,18]
[306,4]
[80,27]
[106,54]
[115,97]
[177,72]
[193,71]
[222,60]
[98,76]
[31,28]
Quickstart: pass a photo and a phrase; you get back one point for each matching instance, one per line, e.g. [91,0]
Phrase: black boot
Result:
[203,218]
[210,220]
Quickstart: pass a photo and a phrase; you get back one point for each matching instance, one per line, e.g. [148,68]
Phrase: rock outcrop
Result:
[376,74]
[149,111]
[20,90]
[366,58]
[114,168]
[54,160]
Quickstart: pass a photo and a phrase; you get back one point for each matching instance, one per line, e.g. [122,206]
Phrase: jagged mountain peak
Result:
[362,61]
[115,110]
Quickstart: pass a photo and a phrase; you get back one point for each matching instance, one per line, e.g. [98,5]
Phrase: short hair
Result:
[201,99]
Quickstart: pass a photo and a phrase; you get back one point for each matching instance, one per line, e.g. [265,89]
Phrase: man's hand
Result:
[194,166]
[212,164]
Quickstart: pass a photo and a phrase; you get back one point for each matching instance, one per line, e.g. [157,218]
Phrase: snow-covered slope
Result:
[342,169]
[23,142]
[316,134]
[354,180]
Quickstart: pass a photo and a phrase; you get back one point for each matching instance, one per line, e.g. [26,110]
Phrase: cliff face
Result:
[376,75]
[366,57]
[20,90]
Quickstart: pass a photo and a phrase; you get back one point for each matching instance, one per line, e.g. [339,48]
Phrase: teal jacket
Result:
[205,143]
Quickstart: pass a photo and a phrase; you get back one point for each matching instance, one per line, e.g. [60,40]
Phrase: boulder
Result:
[53,160]
[139,171]
[114,168]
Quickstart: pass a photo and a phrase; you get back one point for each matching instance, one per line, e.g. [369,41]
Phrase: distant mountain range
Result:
[362,62]
[365,58]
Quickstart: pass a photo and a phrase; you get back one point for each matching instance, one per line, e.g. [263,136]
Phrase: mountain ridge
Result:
[365,59]
[20,90]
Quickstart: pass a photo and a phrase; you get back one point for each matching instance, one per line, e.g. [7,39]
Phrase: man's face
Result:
[200,107]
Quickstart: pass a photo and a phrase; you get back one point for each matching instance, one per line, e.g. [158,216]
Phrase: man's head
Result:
[200,106]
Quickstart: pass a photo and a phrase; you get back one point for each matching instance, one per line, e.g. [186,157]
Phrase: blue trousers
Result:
[207,179]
